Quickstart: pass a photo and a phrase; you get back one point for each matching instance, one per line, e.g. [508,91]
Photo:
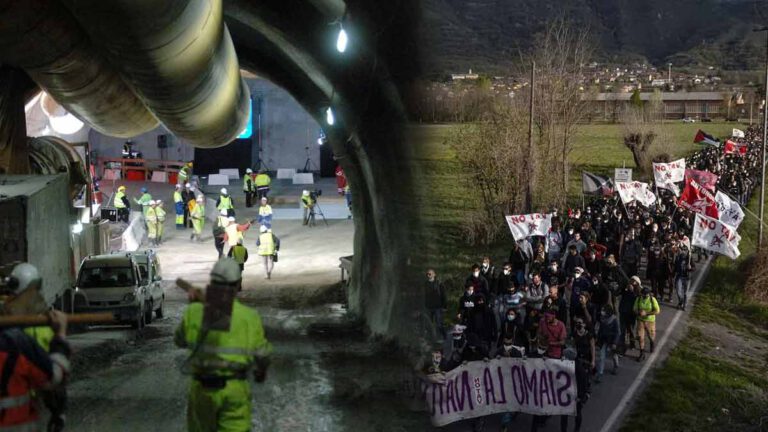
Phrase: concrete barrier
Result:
[303,178]
[285,173]
[232,173]
[134,234]
[211,212]
[218,180]
[159,177]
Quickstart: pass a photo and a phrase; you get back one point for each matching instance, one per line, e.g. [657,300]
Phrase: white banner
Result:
[479,388]
[737,133]
[536,224]
[636,191]
[729,210]
[715,236]
[665,173]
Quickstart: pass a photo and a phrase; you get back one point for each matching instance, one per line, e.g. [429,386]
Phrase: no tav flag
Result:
[730,211]
[713,235]
[635,191]
[737,133]
[535,224]
[667,174]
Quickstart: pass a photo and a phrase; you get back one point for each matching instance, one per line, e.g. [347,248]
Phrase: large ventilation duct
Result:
[178,56]
[42,37]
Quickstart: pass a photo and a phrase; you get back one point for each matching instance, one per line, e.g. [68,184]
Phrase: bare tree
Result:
[644,132]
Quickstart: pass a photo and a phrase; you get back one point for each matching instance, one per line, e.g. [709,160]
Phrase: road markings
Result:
[624,402]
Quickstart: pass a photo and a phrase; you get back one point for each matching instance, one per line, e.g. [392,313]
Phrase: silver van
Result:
[126,284]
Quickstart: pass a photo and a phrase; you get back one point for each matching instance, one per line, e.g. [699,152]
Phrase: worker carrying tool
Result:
[227,343]
[34,360]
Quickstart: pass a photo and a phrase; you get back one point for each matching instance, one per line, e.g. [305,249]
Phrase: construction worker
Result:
[160,221]
[248,187]
[185,173]
[219,232]
[222,356]
[308,203]
[151,219]
[239,253]
[268,244]
[34,360]
[234,231]
[198,220]
[122,204]
[265,213]
[144,200]
[262,184]
[187,195]
[178,202]
[225,202]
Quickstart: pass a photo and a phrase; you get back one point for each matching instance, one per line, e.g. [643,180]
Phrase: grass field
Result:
[715,379]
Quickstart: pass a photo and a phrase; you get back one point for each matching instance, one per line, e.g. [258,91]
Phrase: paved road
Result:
[614,397]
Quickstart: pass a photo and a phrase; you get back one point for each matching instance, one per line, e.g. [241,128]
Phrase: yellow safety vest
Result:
[223,352]
[647,305]
[307,201]
[238,254]
[233,234]
[265,210]
[177,197]
[151,215]
[119,200]
[43,335]
[263,180]
[225,203]
[160,214]
[247,183]
[266,244]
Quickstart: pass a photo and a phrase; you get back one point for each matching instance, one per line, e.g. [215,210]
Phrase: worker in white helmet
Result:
[233,232]
[198,220]
[225,202]
[41,361]
[160,212]
[249,189]
[268,244]
[150,217]
[227,343]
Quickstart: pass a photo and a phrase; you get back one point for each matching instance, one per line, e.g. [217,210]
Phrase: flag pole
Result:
[765,137]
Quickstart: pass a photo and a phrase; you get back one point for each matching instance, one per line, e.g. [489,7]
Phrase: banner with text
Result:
[672,172]
[713,235]
[479,388]
[705,178]
[636,191]
[730,211]
[536,224]
[697,198]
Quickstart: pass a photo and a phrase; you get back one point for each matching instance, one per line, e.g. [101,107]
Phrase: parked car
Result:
[116,283]
[689,120]
[709,120]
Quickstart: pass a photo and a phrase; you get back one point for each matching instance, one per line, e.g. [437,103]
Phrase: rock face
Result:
[479,33]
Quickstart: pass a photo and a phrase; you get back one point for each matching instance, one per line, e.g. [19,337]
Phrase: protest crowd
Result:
[589,288]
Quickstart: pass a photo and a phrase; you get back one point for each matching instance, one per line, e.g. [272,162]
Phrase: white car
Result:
[126,284]
[689,120]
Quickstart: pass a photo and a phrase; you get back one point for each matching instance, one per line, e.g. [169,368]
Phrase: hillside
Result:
[488,35]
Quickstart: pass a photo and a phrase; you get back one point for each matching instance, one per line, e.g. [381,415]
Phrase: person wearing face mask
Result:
[509,349]
[477,280]
[488,271]
[584,342]
[504,281]
[551,335]
[599,294]
[457,347]
[513,299]
[554,272]
[437,364]
[646,308]
[512,331]
[520,257]
[572,261]
[631,251]
[608,335]
[627,316]
[656,269]
[466,303]
[482,322]
[434,302]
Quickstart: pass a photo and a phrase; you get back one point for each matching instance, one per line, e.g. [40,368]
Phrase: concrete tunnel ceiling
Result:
[291,43]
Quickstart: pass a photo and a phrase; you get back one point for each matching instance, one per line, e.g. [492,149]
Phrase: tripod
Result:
[312,214]
[308,164]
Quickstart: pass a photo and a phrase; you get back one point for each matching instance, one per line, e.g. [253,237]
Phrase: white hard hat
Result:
[152,202]
[231,218]
[263,228]
[200,199]
[158,202]
[305,193]
[178,185]
[24,274]
[226,270]
[248,171]
[223,212]
[224,191]
[187,185]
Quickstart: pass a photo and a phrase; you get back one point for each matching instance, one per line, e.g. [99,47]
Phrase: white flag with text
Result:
[635,191]
[713,235]
[729,210]
[536,224]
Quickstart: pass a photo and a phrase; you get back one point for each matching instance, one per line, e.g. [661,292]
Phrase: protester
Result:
[608,336]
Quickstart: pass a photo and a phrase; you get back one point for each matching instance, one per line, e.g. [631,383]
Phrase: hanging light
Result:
[342,40]
[329,117]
